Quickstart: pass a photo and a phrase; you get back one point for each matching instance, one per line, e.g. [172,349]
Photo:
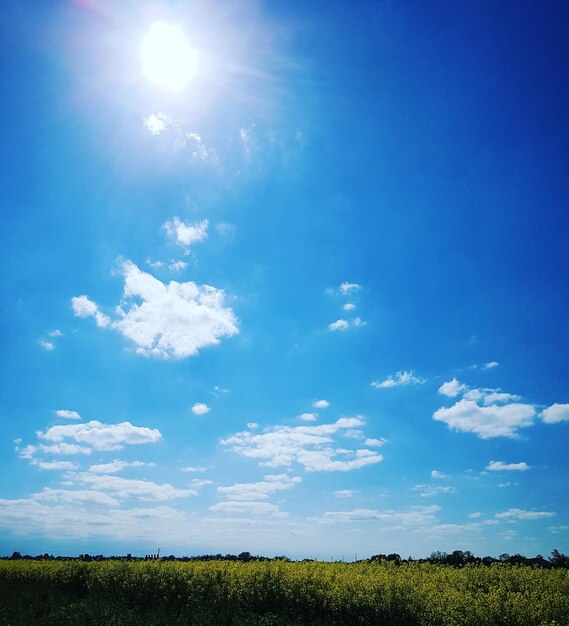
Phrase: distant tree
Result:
[517,559]
[16,556]
[438,557]
[558,559]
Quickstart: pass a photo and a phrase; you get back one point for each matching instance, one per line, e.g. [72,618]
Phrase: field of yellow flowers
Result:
[280,593]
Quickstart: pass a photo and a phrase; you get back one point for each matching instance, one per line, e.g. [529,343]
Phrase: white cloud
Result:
[343,325]
[69,514]
[254,507]
[556,530]
[498,466]
[354,433]
[154,264]
[344,493]
[321,404]
[75,496]
[156,122]
[177,137]
[487,421]
[199,150]
[429,492]
[46,345]
[475,515]
[375,443]
[55,333]
[217,390]
[126,488]
[186,234]
[400,378]
[349,306]
[252,425]
[307,417]
[59,449]
[54,465]
[67,414]
[198,483]
[520,514]
[172,321]
[416,516]
[193,469]
[338,325]
[101,436]
[116,466]
[347,288]
[437,474]
[177,265]
[491,396]
[84,307]
[555,413]
[200,408]
[452,388]
[261,490]
[311,446]
[490,365]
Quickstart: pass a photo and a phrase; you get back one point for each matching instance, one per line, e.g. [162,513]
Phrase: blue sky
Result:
[284,278]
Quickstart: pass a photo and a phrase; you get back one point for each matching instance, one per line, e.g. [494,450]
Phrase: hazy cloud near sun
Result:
[171,321]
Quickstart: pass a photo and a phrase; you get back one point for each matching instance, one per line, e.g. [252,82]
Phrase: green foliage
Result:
[281,593]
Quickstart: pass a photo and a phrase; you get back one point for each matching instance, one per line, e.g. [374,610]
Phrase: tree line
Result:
[457,558]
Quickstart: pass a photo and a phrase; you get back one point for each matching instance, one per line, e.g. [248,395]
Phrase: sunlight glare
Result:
[167,57]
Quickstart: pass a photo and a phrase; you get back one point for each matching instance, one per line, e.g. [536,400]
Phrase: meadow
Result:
[280,593]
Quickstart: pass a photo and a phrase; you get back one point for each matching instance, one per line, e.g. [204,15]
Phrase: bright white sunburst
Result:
[167,57]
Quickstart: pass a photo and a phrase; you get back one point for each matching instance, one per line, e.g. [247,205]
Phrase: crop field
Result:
[280,593]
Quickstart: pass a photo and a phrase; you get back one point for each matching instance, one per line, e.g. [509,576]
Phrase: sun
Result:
[168,59]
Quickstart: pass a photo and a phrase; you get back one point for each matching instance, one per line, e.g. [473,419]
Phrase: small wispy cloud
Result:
[84,307]
[428,491]
[400,379]
[321,404]
[67,414]
[200,408]
[347,288]
[339,325]
[344,493]
[490,365]
[177,265]
[156,123]
[307,417]
[437,474]
[500,466]
[520,514]
[452,388]
[116,466]
[186,234]
[46,345]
